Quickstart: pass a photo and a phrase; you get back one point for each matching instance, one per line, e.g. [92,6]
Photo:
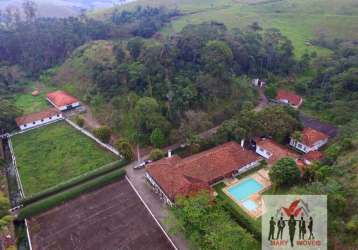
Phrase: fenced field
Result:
[55,153]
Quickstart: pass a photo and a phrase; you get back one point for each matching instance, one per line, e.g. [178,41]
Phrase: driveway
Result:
[158,208]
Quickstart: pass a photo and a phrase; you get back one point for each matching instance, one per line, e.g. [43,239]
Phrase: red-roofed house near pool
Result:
[175,176]
[289,97]
[310,140]
[62,100]
[39,118]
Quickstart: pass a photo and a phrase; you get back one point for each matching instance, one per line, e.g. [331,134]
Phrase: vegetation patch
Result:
[75,181]
[250,224]
[60,198]
[50,155]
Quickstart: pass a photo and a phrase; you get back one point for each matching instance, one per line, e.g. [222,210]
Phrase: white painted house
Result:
[38,119]
[62,100]
[310,140]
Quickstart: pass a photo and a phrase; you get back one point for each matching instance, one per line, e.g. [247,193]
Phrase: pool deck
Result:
[261,177]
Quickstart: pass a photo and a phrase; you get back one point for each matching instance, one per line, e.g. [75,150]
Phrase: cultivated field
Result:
[110,218]
[50,155]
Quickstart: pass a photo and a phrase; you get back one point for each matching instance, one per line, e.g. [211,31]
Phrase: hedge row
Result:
[74,181]
[252,225]
[60,198]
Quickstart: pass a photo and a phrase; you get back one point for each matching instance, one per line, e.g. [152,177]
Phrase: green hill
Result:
[300,20]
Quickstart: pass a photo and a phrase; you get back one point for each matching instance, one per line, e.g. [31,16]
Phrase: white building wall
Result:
[263,152]
[156,187]
[41,122]
[304,148]
[74,105]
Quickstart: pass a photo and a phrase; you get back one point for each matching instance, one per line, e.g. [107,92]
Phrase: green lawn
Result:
[30,104]
[50,155]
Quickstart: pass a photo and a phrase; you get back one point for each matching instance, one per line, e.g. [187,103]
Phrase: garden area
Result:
[56,153]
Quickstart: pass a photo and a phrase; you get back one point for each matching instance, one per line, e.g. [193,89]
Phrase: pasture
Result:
[50,155]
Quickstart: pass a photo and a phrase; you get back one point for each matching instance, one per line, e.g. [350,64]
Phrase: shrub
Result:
[125,149]
[60,198]
[156,154]
[285,172]
[157,138]
[80,121]
[74,181]
[103,133]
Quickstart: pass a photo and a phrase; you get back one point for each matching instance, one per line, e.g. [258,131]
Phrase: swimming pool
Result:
[244,189]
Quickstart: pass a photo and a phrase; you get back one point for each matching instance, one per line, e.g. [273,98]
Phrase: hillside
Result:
[300,21]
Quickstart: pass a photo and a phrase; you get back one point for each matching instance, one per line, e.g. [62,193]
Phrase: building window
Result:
[50,117]
[58,115]
[42,120]
[25,125]
[34,123]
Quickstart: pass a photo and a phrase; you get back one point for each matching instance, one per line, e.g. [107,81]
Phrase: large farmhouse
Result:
[175,176]
[289,97]
[310,140]
[62,100]
[272,151]
[39,118]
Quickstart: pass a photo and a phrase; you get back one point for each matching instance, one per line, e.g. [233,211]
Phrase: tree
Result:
[285,173]
[8,113]
[80,121]
[147,117]
[217,58]
[135,46]
[156,154]
[125,149]
[103,133]
[157,138]
[208,225]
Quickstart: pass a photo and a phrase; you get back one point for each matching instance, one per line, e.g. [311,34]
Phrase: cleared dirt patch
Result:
[110,218]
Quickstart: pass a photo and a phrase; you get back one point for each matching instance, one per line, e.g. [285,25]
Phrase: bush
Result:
[103,133]
[74,181]
[156,154]
[285,172]
[60,198]
[80,121]
[157,138]
[125,149]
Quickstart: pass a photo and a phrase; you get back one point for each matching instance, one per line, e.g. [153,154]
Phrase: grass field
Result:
[50,155]
[28,103]
[299,20]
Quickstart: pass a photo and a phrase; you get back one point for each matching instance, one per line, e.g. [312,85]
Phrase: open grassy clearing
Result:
[30,104]
[50,155]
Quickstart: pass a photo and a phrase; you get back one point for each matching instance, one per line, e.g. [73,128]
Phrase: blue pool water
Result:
[243,190]
[250,205]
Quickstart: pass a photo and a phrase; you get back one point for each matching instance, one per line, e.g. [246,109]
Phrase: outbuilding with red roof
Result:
[39,118]
[272,151]
[62,100]
[289,97]
[175,176]
[310,140]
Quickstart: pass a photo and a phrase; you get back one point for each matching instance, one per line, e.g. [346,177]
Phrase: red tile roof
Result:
[61,98]
[278,151]
[36,116]
[310,136]
[290,96]
[314,156]
[181,176]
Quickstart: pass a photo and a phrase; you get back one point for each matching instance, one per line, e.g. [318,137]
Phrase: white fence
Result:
[39,126]
[84,131]
[13,158]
